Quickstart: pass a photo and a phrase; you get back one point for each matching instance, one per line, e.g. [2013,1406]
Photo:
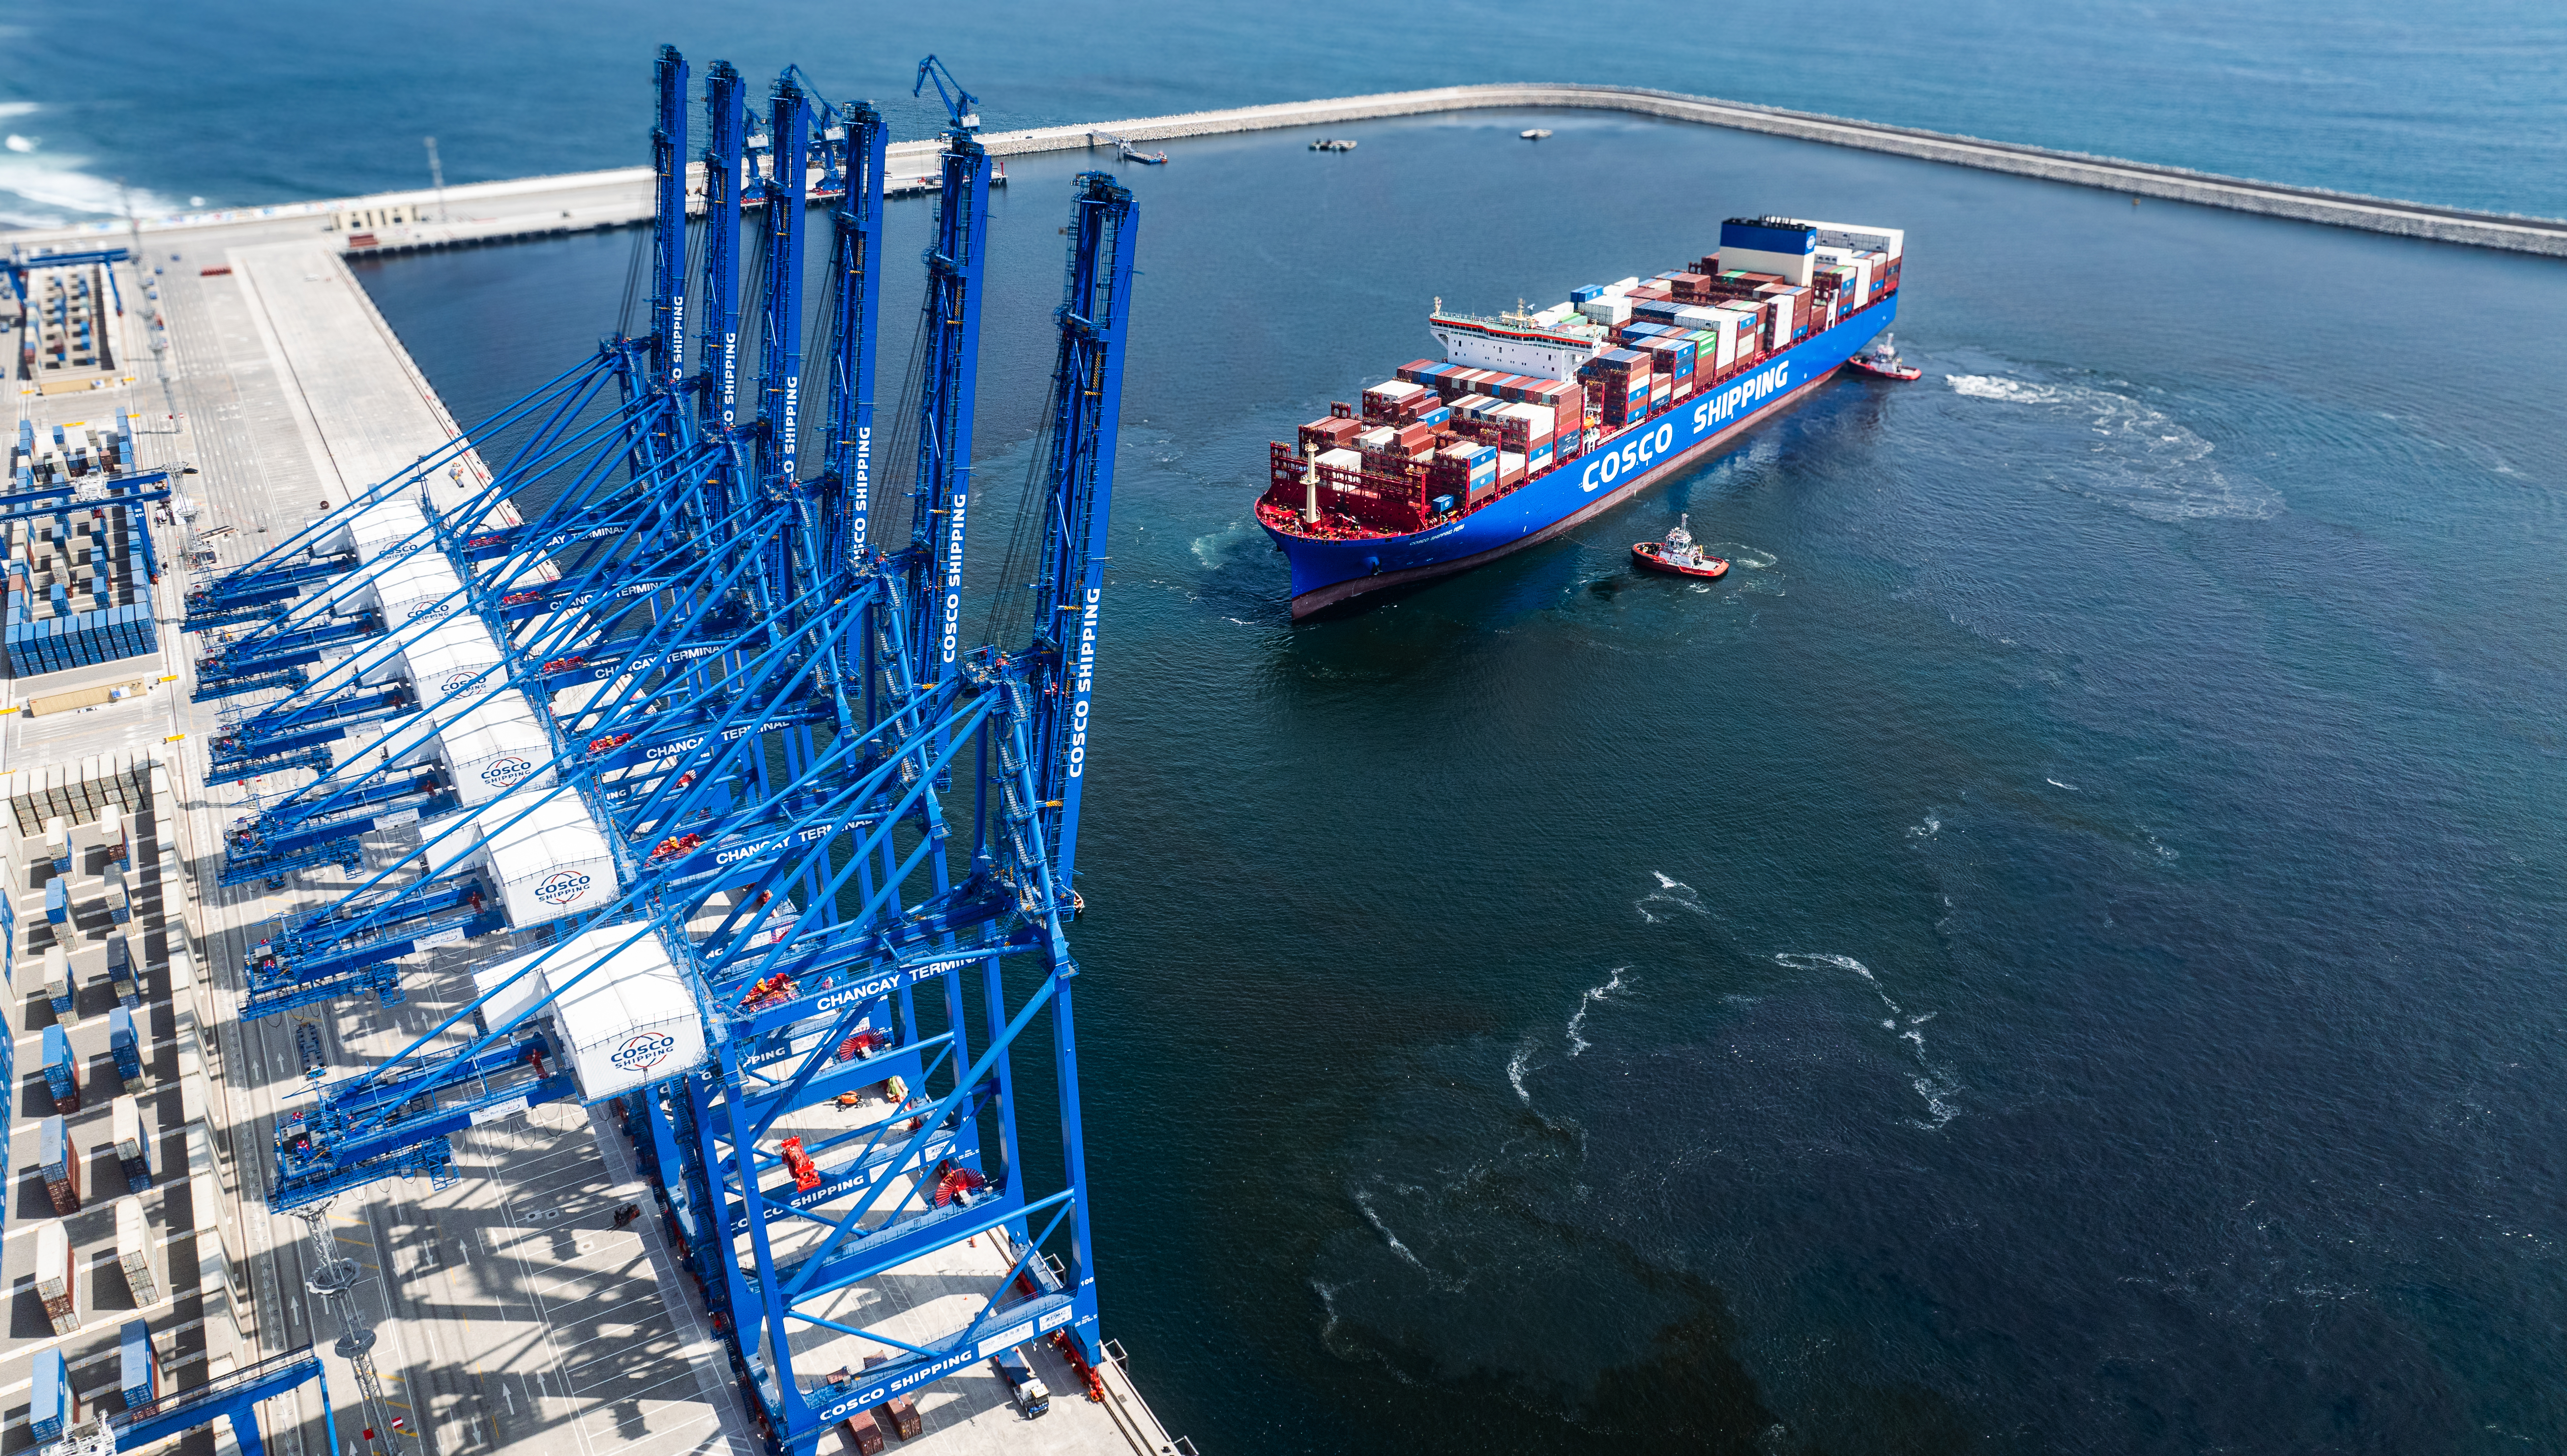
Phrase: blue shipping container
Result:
[141,1365]
[54,1407]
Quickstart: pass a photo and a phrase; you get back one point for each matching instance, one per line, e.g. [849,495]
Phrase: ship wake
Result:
[2127,451]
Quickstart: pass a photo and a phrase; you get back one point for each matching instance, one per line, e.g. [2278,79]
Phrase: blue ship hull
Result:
[1328,573]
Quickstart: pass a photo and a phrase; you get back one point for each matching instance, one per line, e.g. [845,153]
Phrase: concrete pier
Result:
[585,201]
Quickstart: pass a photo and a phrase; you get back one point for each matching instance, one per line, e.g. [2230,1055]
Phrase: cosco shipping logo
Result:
[561,887]
[506,770]
[642,1052]
[459,680]
[1633,457]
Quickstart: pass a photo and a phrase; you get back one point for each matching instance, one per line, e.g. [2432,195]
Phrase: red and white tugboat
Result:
[1881,361]
[1677,556]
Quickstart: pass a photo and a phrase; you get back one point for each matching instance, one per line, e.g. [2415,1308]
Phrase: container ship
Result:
[1538,419]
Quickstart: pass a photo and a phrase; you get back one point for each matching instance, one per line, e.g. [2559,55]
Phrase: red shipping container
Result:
[897,1412]
[1330,433]
[864,1434]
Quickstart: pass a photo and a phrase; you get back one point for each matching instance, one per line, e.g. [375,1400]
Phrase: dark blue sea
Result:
[2059,952]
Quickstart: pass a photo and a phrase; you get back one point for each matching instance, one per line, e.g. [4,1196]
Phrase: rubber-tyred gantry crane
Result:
[745,839]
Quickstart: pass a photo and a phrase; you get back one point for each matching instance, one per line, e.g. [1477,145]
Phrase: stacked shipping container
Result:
[50,626]
[1417,449]
[60,1162]
[56,1284]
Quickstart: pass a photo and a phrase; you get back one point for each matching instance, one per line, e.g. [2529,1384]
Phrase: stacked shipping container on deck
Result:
[1418,450]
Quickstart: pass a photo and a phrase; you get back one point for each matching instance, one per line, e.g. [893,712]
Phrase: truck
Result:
[1023,1386]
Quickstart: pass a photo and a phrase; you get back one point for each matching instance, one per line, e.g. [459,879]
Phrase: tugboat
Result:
[1677,556]
[1881,361]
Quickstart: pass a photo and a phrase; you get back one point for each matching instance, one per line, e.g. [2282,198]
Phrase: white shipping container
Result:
[213,1231]
[125,1121]
[1539,418]
[192,1099]
[1510,467]
[134,1252]
[58,839]
[548,856]
[496,746]
[53,1261]
[57,971]
[1341,460]
[1855,237]
[1621,286]
[1613,310]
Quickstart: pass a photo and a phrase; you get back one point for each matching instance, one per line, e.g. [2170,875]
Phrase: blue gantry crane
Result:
[742,833]
[232,1397]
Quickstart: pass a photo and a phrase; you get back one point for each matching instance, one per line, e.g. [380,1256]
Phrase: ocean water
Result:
[299,98]
[2057,952]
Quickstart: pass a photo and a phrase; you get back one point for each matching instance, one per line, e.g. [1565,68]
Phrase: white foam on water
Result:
[1578,1017]
[2141,457]
[52,189]
[1997,387]
[1407,1256]
[1517,1067]
[1738,553]
[19,108]
[1934,1086]
[1670,894]
[1927,830]
[2055,783]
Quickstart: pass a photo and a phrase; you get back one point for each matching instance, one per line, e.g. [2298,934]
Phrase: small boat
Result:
[1882,362]
[1534,134]
[1677,556]
[1332,143]
[1125,151]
